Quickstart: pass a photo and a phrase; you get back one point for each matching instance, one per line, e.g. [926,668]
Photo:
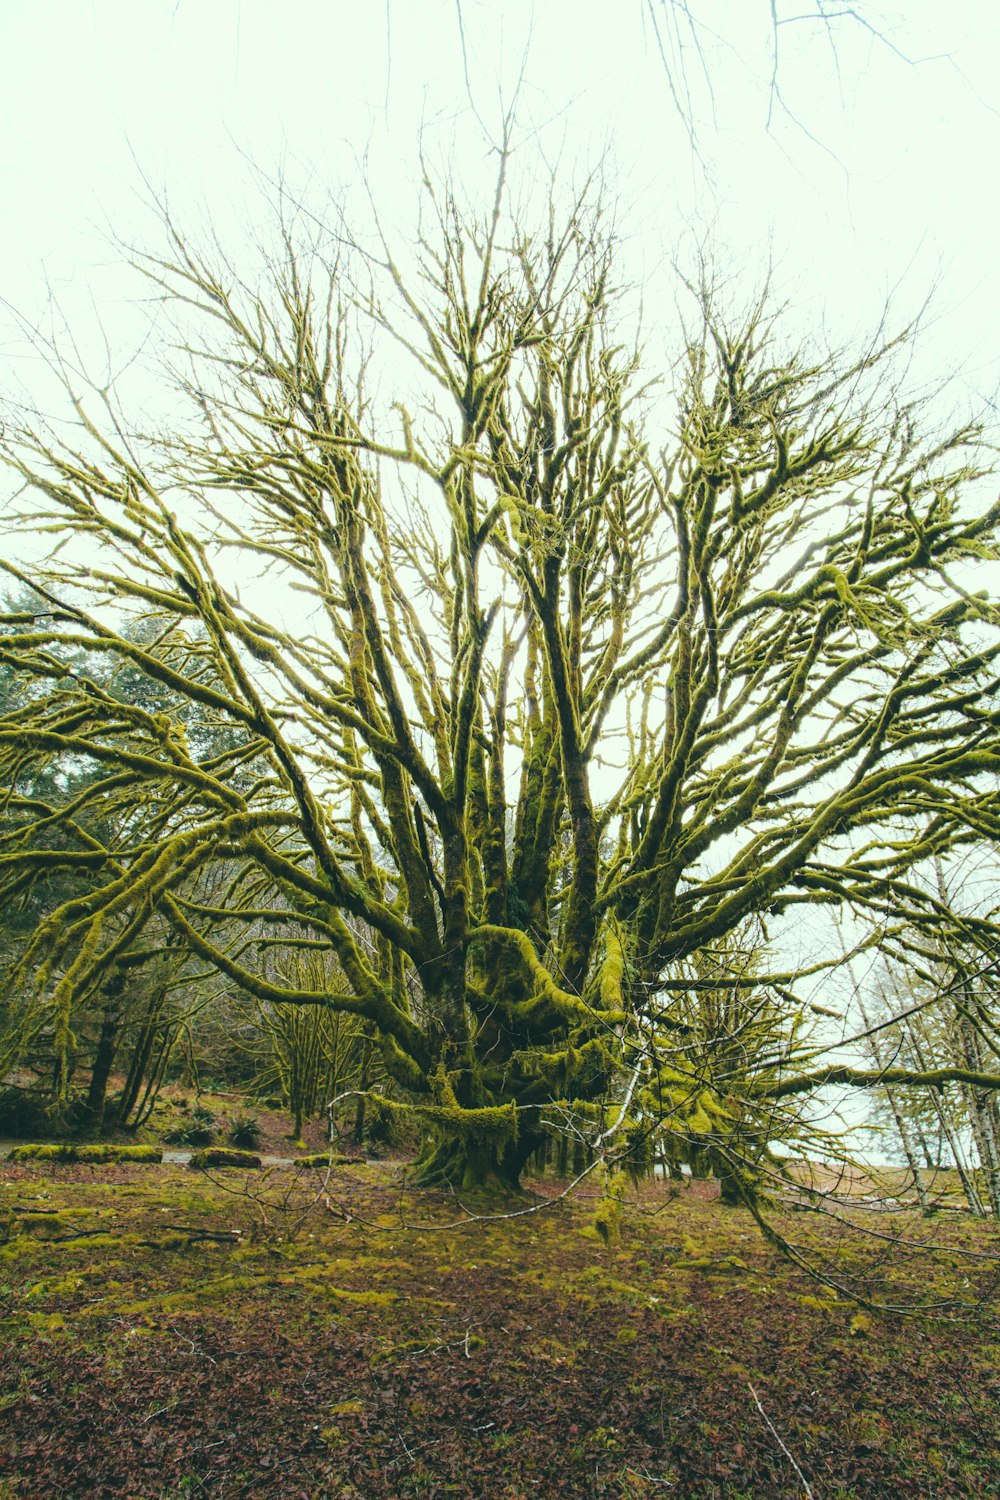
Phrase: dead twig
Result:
[224,1236]
[777,1438]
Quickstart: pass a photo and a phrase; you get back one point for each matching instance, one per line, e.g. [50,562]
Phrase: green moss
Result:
[175,1240]
[315,1277]
[324,1159]
[69,1151]
[218,1289]
[557,1351]
[608,1217]
[496,1124]
[16,1248]
[820,1304]
[607,1222]
[597,1283]
[56,1286]
[44,1323]
[220,1156]
[394,1353]
[612,972]
[38,1226]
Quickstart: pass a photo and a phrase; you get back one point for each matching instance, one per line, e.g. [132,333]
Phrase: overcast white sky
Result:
[897,190]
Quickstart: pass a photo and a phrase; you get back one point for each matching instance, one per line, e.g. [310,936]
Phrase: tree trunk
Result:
[469,1164]
[931,1161]
[363,1081]
[903,1131]
[902,1128]
[983,1118]
[101,1072]
[154,1081]
[986,1113]
[140,1059]
[957,1155]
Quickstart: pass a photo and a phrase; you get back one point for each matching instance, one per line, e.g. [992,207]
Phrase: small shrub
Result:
[32,1112]
[199,1130]
[245,1132]
[382,1125]
[22,1112]
[203,1119]
[221,1156]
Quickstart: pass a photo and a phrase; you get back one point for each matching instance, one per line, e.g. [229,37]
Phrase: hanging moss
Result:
[636,1158]
[554,1067]
[684,1102]
[494,1124]
[546,993]
[608,1215]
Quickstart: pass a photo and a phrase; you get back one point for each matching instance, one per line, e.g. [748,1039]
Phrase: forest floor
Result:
[285,1334]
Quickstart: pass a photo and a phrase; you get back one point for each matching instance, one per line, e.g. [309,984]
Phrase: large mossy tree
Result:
[552,682]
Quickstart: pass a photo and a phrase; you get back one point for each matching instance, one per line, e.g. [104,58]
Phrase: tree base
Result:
[740,1190]
[474,1166]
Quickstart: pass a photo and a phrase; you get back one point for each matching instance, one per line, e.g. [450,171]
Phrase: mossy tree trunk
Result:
[475,1165]
[104,1058]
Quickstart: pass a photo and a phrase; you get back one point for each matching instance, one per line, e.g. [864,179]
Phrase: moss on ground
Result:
[220,1156]
[72,1152]
[170,1318]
